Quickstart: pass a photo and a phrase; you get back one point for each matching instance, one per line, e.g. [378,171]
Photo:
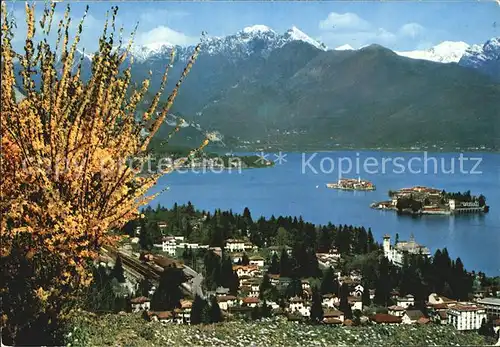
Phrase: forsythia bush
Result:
[64,179]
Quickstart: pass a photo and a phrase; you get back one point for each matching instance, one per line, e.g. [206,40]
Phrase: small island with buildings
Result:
[351,184]
[431,201]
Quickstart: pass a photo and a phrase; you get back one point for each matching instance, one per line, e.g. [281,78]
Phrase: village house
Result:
[492,306]
[162,225]
[164,317]
[244,280]
[185,311]
[330,300]
[412,316]
[254,288]
[250,301]
[305,284]
[297,304]
[384,318]
[140,304]
[358,290]
[250,247]
[257,261]
[396,310]
[226,301]
[246,270]
[237,257]
[328,259]
[395,254]
[169,245]
[234,245]
[405,301]
[355,302]
[466,316]
[274,279]
[439,299]
[372,294]
[219,291]
[333,314]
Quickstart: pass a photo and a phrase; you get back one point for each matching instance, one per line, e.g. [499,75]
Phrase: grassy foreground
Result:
[132,330]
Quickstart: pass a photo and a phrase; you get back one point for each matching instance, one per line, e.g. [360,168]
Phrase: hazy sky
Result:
[398,25]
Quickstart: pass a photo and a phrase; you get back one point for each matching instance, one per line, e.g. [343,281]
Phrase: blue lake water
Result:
[294,188]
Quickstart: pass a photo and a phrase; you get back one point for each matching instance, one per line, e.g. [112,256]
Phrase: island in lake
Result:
[424,200]
[351,184]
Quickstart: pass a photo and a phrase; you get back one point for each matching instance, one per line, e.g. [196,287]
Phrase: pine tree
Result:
[344,302]
[198,310]
[274,268]
[245,260]
[215,313]
[365,297]
[285,270]
[145,239]
[329,282]
[118,270]
[265,287]
[168,295]
[316,306]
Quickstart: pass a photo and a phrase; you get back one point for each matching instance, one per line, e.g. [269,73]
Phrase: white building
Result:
[257,261]
[330,300]
[396,310]
[234,245]
[492,306]
[169,245]
[298,305]
[140,304]
[466,316]
[405,301]
[358,290]
[226,301]
[395,254]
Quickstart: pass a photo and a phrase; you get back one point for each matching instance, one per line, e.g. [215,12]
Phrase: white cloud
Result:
[149,16]
[348,28]
[412,30]
[165,34]
[343,21]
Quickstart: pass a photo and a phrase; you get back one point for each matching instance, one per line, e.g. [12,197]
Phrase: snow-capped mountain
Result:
[445,52]
[346,47]
[258,39]
[485,58]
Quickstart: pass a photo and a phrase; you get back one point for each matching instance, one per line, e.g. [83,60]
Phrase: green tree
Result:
[168,295]
[274,268]
[118,270]
[365,297]
[329,283]
[245,260]
[215,313]
[316,306]
[145,239]
[198,311]
[344,302]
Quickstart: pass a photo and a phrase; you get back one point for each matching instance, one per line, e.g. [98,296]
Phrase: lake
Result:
[296,186]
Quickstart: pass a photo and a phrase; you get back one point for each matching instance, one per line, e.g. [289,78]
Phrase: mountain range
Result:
[263,89]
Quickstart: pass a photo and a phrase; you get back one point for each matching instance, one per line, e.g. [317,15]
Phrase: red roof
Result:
[139,300]
[224,298]
[332,321]
[396,308]
[251,300]
[163,314]
[385,318]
